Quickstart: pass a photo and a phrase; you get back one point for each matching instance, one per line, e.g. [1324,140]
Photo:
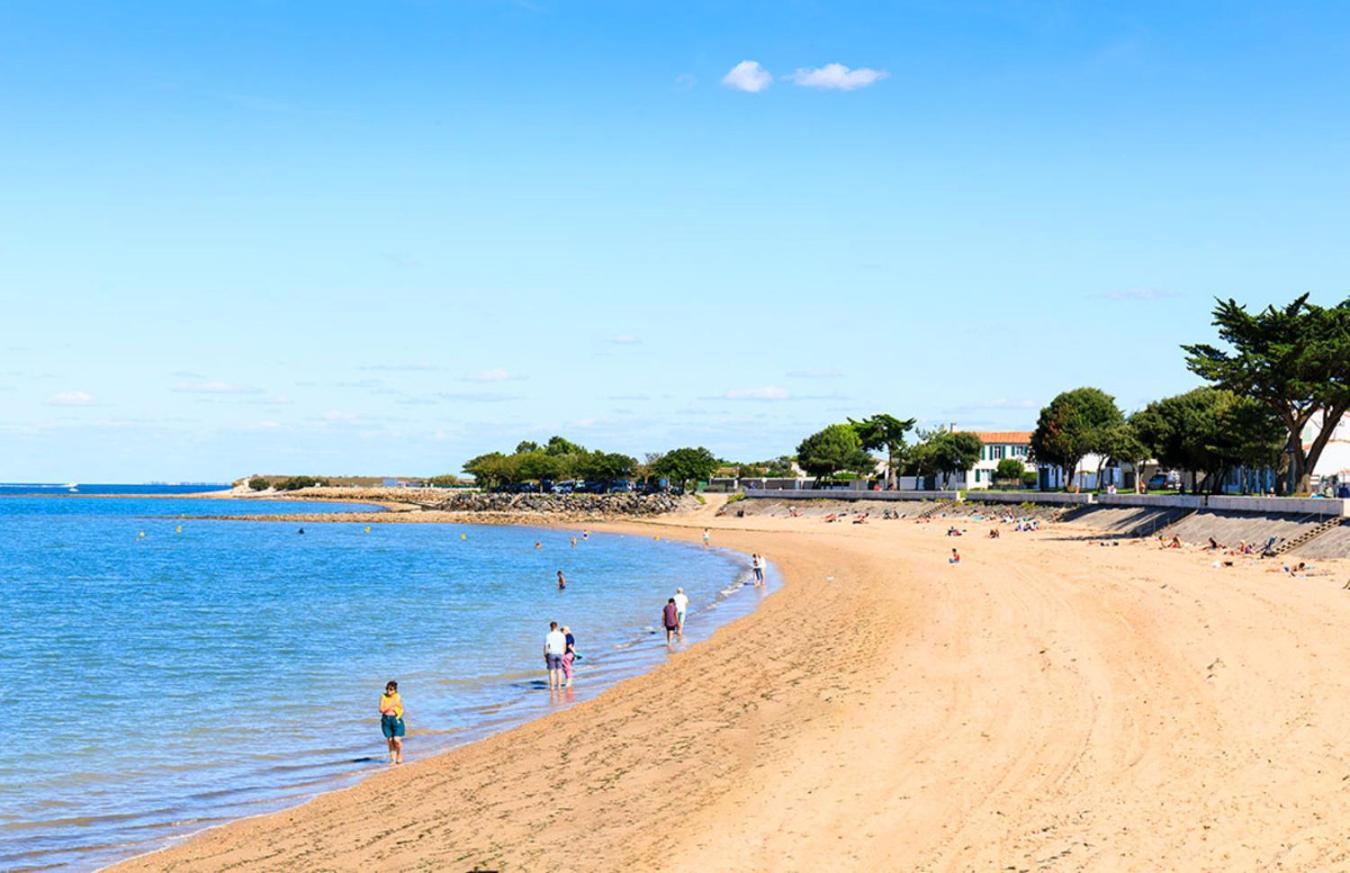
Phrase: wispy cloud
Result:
[629,397]
[1141,294]
[768,392]
[625,339]
[495,375]
[213,386]
[685,81]
[748,76]
[71,398]
[822,373]
[836,77]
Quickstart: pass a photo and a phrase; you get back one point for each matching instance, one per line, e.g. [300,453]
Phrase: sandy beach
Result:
[1045,705]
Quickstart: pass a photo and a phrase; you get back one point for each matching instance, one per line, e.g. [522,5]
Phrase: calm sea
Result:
[161,674]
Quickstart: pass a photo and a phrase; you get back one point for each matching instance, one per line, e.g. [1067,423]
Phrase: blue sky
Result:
[382,238]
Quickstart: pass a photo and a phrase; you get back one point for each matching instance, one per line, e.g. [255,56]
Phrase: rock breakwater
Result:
[474,502]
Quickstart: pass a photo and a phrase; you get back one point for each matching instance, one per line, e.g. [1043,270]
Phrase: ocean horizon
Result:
[181,672]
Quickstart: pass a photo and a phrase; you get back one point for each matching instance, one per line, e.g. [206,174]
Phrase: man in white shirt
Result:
[555,646]
[681,604]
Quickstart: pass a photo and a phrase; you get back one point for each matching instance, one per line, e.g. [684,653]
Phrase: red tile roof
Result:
[1005,437]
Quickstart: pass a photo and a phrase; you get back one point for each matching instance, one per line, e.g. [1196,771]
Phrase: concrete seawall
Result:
[848,494]
[1037,497]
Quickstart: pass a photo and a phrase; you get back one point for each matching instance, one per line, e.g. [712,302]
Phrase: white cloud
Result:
[494,375]
[1141,294]
[768,392]
[748,76]
[625,339]
[837,77]
[71,398]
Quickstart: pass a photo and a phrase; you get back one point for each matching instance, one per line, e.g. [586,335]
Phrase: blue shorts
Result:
[554,661]
[391,726]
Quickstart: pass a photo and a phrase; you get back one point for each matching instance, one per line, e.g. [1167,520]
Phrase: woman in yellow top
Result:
[391,721]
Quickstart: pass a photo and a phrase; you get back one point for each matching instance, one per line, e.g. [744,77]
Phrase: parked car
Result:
[1159,481]
[620,487]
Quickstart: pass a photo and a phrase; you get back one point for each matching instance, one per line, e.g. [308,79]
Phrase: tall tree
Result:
[1294,359]
[1075,424]
[559,446]
[1123,444]
[1209,431]
[605,467]
[492,470]
[946,453]
[832,450]
[882,431]
[686,465]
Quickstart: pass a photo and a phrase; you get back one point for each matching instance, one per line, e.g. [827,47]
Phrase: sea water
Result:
[161,672]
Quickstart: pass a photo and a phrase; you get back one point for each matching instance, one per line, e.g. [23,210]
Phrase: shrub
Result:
[295,483]
[258,483]
[1029,479]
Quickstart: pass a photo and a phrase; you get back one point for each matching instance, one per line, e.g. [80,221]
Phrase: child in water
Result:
[391,721]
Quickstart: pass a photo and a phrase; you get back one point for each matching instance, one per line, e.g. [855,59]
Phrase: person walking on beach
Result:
[391,721]
[681,607]
[569,654]
[757,564]
[555,646]
[707,537]
[670,617]
[562,581]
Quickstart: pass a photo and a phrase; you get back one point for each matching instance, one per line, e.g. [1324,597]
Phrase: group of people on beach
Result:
[560,652]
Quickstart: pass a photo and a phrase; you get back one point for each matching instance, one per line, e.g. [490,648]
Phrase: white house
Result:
[1334,464]
[998,445]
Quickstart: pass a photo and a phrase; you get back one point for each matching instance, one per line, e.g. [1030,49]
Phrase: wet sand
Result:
[1045,705]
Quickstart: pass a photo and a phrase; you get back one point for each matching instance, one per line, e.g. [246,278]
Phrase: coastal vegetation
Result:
[558,460]
[1295,360]
[943,452]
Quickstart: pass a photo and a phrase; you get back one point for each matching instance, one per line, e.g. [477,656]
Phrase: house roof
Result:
[1005,437]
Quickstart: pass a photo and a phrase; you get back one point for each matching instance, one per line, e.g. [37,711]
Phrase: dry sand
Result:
[1046,705]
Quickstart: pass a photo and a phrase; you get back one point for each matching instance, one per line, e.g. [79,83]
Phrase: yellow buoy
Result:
[140,535]
[179,529]
[367,528]
[464,536]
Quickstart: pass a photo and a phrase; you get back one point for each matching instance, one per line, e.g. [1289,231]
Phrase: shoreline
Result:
[1128,708]
[620,664]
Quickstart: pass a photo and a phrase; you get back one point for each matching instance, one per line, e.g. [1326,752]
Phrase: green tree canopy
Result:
[836,448]
[605,467]
[1009,470]
[1075,424]
[1124,445]
[882,431]
[559,446]
[1210,431]
[491,470]
[686,465]
[527,446]
[945,453]
[1293,359]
